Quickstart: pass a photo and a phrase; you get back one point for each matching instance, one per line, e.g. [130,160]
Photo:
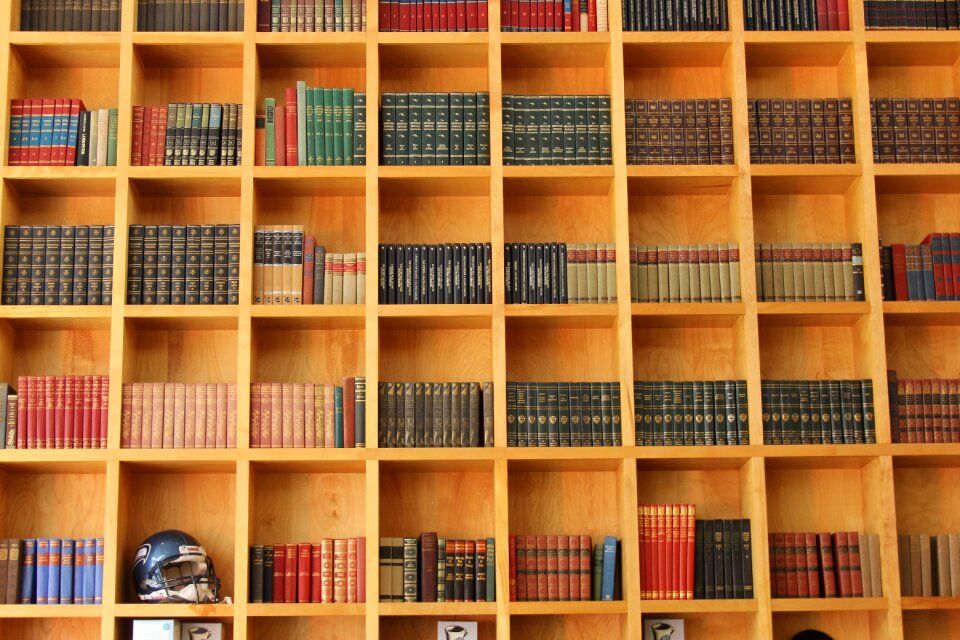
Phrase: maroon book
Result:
[800,552]
[349,416]
[428,565]
[813,565]
[841,562]
[279,572]
[532,593]
[856,576]
[828,574]
[290,574]
[303,572]
[519,571]
[790,554]
[315,572]
[49,412]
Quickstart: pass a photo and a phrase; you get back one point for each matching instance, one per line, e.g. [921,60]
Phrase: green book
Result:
[348,125]
[112,137]
[491,573]
[269,109]
[338,416]
[318,129]
[338,127]
[308,117]
[328,151]
[597,576]
[338,15]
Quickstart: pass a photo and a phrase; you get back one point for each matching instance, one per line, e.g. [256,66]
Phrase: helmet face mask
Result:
[171,566]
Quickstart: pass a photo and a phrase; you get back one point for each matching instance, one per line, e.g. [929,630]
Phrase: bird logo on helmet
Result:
[171,566]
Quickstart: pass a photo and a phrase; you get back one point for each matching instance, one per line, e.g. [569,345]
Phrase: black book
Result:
[743,426]
[456,128]
[164,262]
[733,546]
[207,262]
[256,573]
[402,126]
[268,571]
[699,592]
[721,559]
[470,136]
[414,128]
[51,265]
[81,262]
[746,557]
[428,125]
[606,142]
[443,129]
[483,128]
[150,241]
[532,121]
[508,126]
[95,262]
[581,126]
[106,287]
[359,128]
[709,561]
[388,145]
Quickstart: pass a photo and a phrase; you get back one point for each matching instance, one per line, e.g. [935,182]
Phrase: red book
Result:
[276,411]
[517,7]
[954,413]
[473,16]
[573,542]
[660,551]
[591,15]
[899,253]
[841,562]
[530,567]
[843,16]
[104,412]
[800,553]
[349,413]
[828,573]
[538,16]
[23,386]
[309,246]
[260,140]
[563,568]
[384,15]
[61,123]
[482,21]
[309,416]
[303,572]
[541,542]
[290,93]
[548,9]
[461,8]
[586,562]
[404,17]
[362,569]
[954,259]
[553,567]
[255,415]
[126,416]
[16,111]
[419,16]
[505,7]
[326,570]
[87,438]
[70,414]
[280,136]
[290,574]
[33,418]
[32,109]
[790,554]
[136,155]
[856,575]
[822,20]
[512,558]
[672,550]
[49,412]
[691,549]
[279,572]
[158,121]
[813,566]
[394,15]
[221,409]
[95,397]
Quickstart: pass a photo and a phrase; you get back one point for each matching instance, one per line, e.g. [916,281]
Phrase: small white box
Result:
[456,630]
[156,630]
[663,629]
[200,630]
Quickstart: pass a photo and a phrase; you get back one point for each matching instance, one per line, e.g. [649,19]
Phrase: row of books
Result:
[915,129]
[57,265]
[429,568]
[691,132]
[929,565]
[685,273]
[435,274]
[183,264]
[79,15]
[55,412]
[285,415]
[698,412]
[564,568]
[435,414]
[678,15]
[329,571]
[563,414]
[289,268]
[188,134]
[818,412]
[801,131]
[436,15]
[809,271]
[924,410]
[799,15]
[560,273]
[553,15]
[61,132]
[911,14]
[189,15]
[51,571]
[844,564]
[314,126]
[312,16]
[424,128]
[926,271]
[556,129]
[723,548]
[177,415]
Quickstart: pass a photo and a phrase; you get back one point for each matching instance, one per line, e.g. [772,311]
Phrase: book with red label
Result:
[553,568]
[828,572]
[790,554]
[542,593]
[812,564]
[279,572]
[531,568]
[290,95]
[660,551]
[856,573]
[290,573]
[586,558]
[512,568]
[841,562]
[672,552]
[303,572]
[315,572]
[352,570]
[802,570]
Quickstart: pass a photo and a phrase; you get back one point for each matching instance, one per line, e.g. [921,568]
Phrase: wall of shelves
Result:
[230,498]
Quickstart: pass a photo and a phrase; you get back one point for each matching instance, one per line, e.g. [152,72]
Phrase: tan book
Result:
[601,273]
[789,285]
[777,261]
[683,272]
[338,263]
[663,274]
[758,270]
[592,276]
[190,415]
[694,259]
[826,272]
[611,266]
[836,259]
[328,278]
[258,251]
[802,271]
[943,566]
[865,567]
[733,250]
[396,574]
[903,549]
[703,264]
[169,396]
[716,290]
[271,271]
[220,395]
[276,416]
[179,414]
[349,278]
[673,272]
[156,416]
[583,276]
[723,261]
[766,257]
[648,273]
[954,540]
[916,571]
[847,256]
[926,567]
[299,427]
[573,288]
[361,278]
[329,424]
[213,420]
[635,274]
[873,541]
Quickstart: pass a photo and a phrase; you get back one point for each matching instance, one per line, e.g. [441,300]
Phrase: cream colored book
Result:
[653,274]
[638,288]
[338,260]
[663,273]
[673,272]
[829,292]
[592,275]
[791,286]
[778,270]
[723,261]
[683,272]
[703,262]
[602,273]
[694,260]
[836,251]
[349,278]
[716,290]
[573,274]
[734,256]
[328,278]
[361,278]
[583,278]
[611,267]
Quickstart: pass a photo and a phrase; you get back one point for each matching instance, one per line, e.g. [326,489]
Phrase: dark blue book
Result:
[89,570]
[66,571]
[43,570]
[79,558]
[98,572]
[338,416]
[609,567]
[28,571]
[53,580]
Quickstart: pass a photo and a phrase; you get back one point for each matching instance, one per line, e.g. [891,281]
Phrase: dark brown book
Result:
[831,130]
[764,132]
[901,145]
[778,133]
[428,566]
[914,131]
[804,132]
[818,132]
[886,151]
[847,146]
[841,561]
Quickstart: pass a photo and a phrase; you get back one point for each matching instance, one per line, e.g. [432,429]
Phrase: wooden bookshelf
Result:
[230,498]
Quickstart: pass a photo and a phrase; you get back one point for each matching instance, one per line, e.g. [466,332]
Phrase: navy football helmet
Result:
[171,566]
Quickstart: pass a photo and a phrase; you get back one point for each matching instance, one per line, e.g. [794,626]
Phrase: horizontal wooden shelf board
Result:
[95,317]
[51,611]
[433,172]
[523,459]
[938,169]
[280,176]
[185,181]
[436,316]
[258,610]
[911,36]
[579,607]
[805,170]
[555,38]
[321,38]
[562,172]
[432,38]
[726,171]
[811,313]
[35,177]
[921,313]
[54,461]
[676,37]
[911,51]
[828,604]
[649,607]
[309,460]
[174,461]
[695,457]
[444,609]
[78,39]
[561,315]
[155,610]
[686,314]
[201,316]
[911,603]
[793,185]
[478,459]
[797,37]
[304,317]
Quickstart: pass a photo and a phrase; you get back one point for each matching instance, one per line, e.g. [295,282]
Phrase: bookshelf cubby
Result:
[231,498]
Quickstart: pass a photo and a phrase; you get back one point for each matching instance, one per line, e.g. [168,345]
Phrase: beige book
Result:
[653,274]
[583,288]
[826,269]
[789,273]
[296,276]
[926,567]
[734,257]
[319,423]
[396,570]
[683,271]
[903,549]
[602,273]
[258,236]
[802,273]
[276,280]
[572,282]
[716,289]
[286,268]
[836,258]
[638,275]
[349,278]
[103,126]
[361,278]
[916,571]
[758,271]
[810,274]
[766,268]
[611,273]
[723,261]
[338,278]
[703,263]
[695,293]
[943,565]
[328,278]
[873,542]
[865,567]
[673,272]
[954,539]
[777,256]
[663,273]
[592,275]
[329,417]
